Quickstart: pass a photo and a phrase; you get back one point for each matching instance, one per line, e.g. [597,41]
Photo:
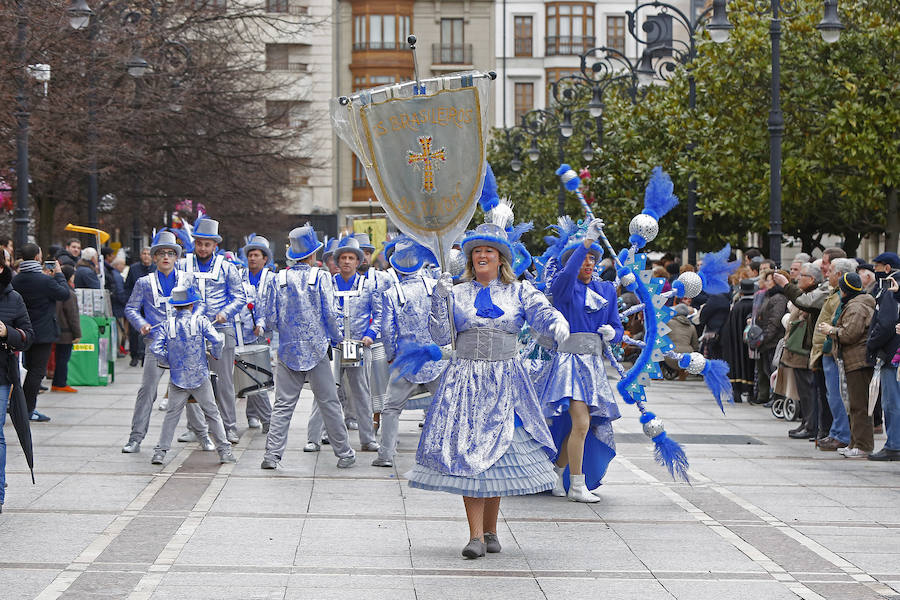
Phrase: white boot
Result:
[559,488]
[578,492]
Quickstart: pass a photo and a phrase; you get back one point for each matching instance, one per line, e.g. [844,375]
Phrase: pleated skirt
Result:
[523,469]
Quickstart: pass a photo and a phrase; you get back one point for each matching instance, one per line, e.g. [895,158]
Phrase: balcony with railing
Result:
[379,45]
[451,54]
[568,45]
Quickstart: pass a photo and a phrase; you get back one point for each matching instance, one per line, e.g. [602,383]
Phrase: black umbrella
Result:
[21,419]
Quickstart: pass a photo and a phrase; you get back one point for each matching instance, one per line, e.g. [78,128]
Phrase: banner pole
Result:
[443,260]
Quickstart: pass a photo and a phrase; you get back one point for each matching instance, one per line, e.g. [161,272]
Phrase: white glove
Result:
[606,332]
[444,285]
[560,330]
[593,231]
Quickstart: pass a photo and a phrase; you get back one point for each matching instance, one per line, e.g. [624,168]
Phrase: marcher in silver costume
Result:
[147,309]
[220,287]
[182,347]
[299,304]
[404,320]
[255,279]
[485,436]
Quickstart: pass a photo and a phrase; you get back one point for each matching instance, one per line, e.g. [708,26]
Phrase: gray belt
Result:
[546,342]
[485,343]
[582,343]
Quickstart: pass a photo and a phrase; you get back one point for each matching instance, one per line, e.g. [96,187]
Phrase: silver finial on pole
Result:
[411,40]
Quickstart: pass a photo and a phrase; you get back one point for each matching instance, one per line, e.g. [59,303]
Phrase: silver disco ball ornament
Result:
[698,363]
[456,262]
[645,226]
[653,428]
[693,285]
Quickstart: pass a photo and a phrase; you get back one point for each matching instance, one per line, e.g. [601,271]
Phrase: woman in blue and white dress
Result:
[578,399]
[485,436]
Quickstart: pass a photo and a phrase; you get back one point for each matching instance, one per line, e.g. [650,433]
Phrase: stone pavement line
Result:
[847,567]
[67,577]
[163,563]
[776,571]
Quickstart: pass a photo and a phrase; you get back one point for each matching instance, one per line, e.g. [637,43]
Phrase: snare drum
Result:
[252,369]
[379,376]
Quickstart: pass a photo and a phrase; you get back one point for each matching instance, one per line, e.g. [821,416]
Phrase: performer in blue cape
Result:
[578,399]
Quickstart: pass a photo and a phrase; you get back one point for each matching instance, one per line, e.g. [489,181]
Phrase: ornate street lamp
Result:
[830,27]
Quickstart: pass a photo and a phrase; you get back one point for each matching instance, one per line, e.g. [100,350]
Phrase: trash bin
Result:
[93,361]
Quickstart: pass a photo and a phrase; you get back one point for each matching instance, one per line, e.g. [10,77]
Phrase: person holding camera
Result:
[41,287]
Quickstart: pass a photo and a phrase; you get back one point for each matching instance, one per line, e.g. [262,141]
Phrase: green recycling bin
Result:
[93,357]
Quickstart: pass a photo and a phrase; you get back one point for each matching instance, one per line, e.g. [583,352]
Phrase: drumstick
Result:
[252,314]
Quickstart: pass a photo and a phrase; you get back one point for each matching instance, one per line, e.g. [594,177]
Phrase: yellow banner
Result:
[376,228]
[82,347]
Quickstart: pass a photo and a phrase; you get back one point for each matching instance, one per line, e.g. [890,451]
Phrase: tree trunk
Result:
[892,227]
[46,206]
[851,243]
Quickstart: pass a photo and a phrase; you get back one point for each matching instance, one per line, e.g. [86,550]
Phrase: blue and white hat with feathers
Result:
[408,256]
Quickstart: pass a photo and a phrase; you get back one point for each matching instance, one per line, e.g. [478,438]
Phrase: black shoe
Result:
[474,549]
[799,434]
[756,402]
[797,429]
[134,361]
[885,454]
[769,404]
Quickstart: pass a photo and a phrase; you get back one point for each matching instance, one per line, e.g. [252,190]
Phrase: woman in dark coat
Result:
[734,349]
[69,334]
[15,335]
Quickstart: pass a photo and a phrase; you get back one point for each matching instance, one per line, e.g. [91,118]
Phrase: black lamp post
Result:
[21,218]
[539,123]
[664,52]
[830,27]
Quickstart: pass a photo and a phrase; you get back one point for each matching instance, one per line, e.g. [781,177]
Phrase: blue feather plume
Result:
[715,374]
[517,231]
[658,197]
[411,357]
[670,454]
[570,178]
[489,198]
[715,271]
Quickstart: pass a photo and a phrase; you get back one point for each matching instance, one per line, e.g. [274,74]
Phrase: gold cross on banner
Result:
[428,160]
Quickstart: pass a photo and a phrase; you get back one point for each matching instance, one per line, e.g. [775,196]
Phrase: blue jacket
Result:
[181,345]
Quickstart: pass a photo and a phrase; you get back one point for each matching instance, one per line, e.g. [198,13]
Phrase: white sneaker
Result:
[842,451]
[578,491]
[254,423]
[163,404]
[559,488]
[188,437]
[856,453]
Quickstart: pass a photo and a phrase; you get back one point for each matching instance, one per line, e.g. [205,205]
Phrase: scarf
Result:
[30,266]
[484,306]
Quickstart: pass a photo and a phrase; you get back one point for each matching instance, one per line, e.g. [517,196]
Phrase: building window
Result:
[524,99]
[287,114]
[523,32]
[615,33]
[361,82]
[277,6]
[286,57]
[359,175]
[553,75]
[452,45]
[570,28]
[380,32]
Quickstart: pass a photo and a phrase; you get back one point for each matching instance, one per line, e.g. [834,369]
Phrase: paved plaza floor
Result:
[766,517]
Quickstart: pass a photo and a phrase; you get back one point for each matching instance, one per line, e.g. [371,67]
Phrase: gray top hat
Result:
[258,242]
[165,240]
[364,242]
[183,296]
[349,244]
[207,228]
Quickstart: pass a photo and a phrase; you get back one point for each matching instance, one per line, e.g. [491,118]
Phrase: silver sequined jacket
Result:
[405,320]
[220,288]
[181,345]
[303,314]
